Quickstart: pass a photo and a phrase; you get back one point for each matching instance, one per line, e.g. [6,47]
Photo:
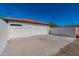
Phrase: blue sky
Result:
[61,14]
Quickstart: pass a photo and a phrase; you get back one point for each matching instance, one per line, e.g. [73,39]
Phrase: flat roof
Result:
[26,20]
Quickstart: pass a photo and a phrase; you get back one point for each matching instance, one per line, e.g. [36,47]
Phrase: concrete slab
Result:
[41,45]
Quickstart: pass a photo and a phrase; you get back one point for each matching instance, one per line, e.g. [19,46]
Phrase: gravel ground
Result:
[41,45]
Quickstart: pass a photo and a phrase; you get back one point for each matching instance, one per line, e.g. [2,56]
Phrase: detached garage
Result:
[17,27]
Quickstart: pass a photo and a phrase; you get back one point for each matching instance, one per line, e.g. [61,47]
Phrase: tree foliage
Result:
[53,25]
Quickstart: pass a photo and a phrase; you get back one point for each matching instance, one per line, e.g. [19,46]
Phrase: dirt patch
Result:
[70,50]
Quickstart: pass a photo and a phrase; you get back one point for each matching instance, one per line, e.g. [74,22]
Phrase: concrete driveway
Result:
[41,45]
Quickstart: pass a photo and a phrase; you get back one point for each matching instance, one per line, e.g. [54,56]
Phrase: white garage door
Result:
[25,30]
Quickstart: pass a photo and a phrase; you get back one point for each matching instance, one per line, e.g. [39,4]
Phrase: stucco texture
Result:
[3,35]
[63,31]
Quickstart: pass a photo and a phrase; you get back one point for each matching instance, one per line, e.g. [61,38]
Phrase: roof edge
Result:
[26,20]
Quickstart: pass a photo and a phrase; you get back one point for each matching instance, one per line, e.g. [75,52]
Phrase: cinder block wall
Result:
[63,31]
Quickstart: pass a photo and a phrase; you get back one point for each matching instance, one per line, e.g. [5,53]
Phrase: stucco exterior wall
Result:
[28,29]
[63,31]
[4,34]
[76,31]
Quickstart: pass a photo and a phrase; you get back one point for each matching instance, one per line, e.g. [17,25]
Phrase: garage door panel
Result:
[25,31]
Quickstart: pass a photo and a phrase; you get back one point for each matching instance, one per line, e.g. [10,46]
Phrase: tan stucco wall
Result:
[76,31]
